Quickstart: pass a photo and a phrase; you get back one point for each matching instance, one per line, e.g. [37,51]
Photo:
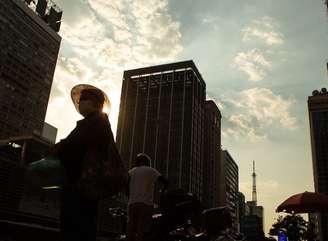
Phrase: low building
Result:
[252,224]
[252,228]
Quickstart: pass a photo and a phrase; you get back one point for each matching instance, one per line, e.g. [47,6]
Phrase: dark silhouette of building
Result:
[314,219]
[16,153]
[252,228]
[29,48]
[162,114]
[229,187]
[24,214]
[212,155]
[29,45]
[241,208]
[318,115]
[254,209]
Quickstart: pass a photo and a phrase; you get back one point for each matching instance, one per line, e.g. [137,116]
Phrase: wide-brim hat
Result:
[76,93]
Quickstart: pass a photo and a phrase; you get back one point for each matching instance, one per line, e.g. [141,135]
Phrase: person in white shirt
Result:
[142,179]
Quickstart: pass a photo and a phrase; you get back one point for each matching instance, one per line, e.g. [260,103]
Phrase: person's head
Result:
[142,159]
[91,100]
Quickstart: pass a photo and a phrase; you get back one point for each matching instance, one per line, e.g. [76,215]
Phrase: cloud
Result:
[126,32]
[263,29]
[253,113]
[253,63]
[106,38]
[239,126]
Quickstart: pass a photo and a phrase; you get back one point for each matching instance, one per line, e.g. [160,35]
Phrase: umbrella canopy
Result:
[306,202]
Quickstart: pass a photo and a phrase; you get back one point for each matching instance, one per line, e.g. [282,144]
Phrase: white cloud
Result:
[253,63]
[263,29]
[242,125]
[107,38]
[254,112]
[267,107]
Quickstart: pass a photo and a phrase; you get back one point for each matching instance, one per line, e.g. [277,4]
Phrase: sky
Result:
[260,60]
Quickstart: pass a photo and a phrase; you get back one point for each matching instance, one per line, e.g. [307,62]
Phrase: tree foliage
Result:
[294,226]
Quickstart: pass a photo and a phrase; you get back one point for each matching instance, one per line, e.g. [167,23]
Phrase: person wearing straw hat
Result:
[79,214]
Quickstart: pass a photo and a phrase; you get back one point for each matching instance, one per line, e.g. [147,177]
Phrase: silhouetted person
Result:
[78,215]
[142,179]
[178,206]
[310,233]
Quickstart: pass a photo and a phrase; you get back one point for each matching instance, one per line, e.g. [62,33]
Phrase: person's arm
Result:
[163,181]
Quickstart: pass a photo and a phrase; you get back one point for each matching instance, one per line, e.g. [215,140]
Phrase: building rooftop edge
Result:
[320,96]
[32,136]
[231,158]
[37,19]
[164,67]
[213,103]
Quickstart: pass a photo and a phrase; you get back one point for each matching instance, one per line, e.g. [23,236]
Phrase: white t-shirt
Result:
[142,183]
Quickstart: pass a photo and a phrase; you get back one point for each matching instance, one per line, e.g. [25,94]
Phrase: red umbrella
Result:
[306,202]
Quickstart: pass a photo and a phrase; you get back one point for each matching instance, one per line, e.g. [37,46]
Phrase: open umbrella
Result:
[306,202]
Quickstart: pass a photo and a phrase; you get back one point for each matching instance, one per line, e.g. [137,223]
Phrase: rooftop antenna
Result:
[254,195]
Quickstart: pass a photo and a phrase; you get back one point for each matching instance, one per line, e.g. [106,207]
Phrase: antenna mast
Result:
[254,195]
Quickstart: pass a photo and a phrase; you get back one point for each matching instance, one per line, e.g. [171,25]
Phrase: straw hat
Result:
[76,93]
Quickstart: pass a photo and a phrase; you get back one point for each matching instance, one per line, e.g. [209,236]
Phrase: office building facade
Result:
[28,54]
[212,155]
[318,115]
[229,187]
[162,114]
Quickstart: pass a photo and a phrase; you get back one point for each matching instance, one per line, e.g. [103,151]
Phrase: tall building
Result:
[318,115]
[29,46]
[212,155]
[229,188]
[162,114]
